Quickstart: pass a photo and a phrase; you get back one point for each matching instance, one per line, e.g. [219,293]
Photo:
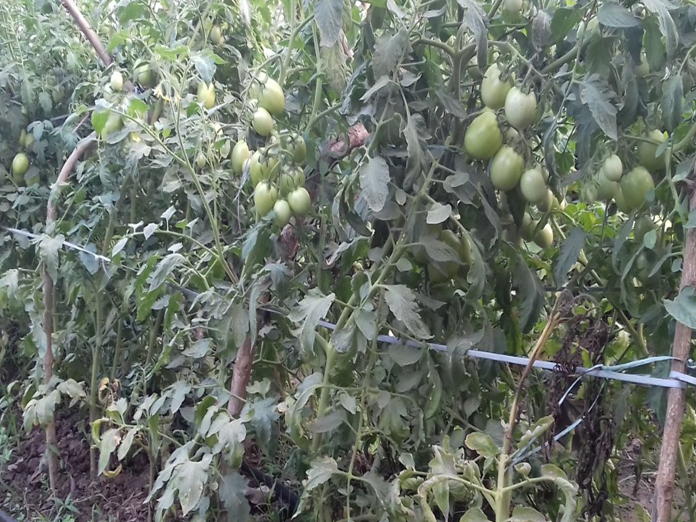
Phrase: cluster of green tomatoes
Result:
[275,170]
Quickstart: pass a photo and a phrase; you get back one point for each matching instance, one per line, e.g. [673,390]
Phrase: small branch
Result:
[87,31]
[664,483]
[240,378]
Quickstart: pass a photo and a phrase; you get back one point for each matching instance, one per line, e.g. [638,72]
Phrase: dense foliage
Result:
[434,171]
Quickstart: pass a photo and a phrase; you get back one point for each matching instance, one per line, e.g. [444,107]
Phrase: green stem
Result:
[96,353]
[319,86]
[117,349]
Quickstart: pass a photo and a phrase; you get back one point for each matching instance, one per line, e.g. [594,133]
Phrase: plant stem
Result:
[96,356]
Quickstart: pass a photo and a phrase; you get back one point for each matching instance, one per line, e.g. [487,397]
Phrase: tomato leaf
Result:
[667,26]
[568,255]
[402,303]
[320,471]
[596,93]
[530,292]
[389,51]
[232,493]
[374,181]
[683,307]
[329,17]
[613,14]
[672,103]
[309,311]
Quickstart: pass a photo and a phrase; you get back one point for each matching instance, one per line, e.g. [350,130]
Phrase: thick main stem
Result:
[664,484]
[96,363]
[87,31]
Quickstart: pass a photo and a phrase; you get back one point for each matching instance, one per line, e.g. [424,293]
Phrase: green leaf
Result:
[439,250]
[328,15]
[120,245]
[596,93]
[389,51]
[320,471]
[476,20]
[541,30]
[179,390]
[613,14]
[402,303]
[667,26]
[482,444]
[232,493]
[530,292]
[568,255]
[672,103]
[309,312]
[549,470]
[198,350]
[563,21]
[526,514]
[164,269]
[49,247]
[415,133]
[374,181]
[99,119]
[405,355]
[190,479]
[438,213]
[474,514]
[378,86]
[127,443]
[619,243]
[205,65]
[328,422]
[683,307]
[107,444]
[72,389]
[137,108]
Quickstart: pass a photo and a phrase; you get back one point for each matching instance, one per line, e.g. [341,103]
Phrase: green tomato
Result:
[506,168]
[296,146]
[620,201]
[643,68]
[113,123]
[145,76]
[547,202]
[116,81]
[533,185]
[270,166]
[451,239]
[528,226]
[200,160]
[240,153]
[589,193]
[299,177]
[483,137]
[262,122]
[286,184]
[282,212]
[642,226]
[300,201]
[20,164]
[613,168]
[216,35]
[592,27]
[22,138]
[265,196]
[493,89]
[255,172]
[271,97]
[520,108]
[635,186]
[206,95]
[512,6]
[544,237]
[606,189]
[647,152]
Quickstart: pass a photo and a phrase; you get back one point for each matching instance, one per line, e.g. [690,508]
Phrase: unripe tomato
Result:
[286,184]
[635,186]
[265,196]
[20,164]
[527,227]
[116,81]
[29,140]
[613,168]
[483,137]
[296,146]
[647,151]
[200,160]
[282,212]
[589,193]
[300,201]
[620,201]
[520,108]
[493,89]
[216,35]
[606,188]
[206,95]
[22,138]
[643,68]
[452,240]
[506,168]
[544,237]
[642,226]
[255,172]
[145,76]
[547,202]
[262,122]
[592,27]
[512,6]
[113,124]
[271,97]
[270,166]
[240,153]
[299,177]
[533,185]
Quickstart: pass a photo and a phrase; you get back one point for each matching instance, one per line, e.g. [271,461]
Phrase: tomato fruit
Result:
[647,152]
[454,242]
[635,186]
[642,226]
[299,177]
[643,68]
[206,95]
[533,185]
[282,212]
[271,97]
[493,89]
[593,28]
[520,108]
[286,184]
[506,168]
[483,137]
[116,81]
[145,76]
[200,160]
[527,227]
[613,168]
[20,164]
[113,123]
[620,201]
[547,202]
[589,193]
[22,138]
[296,146]
[255,172]
[269,164]
[512,6]
[262,122]
[544,237]
[265,196]
[606,189]
[300,201]
[216,35]
[240,153]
